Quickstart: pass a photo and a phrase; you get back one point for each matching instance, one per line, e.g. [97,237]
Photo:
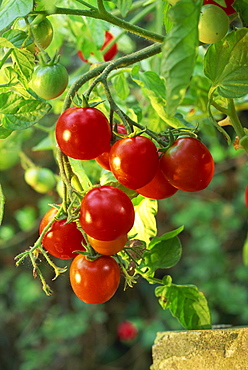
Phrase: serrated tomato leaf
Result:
[19,113]
[186,303]
[226,65]
[180,50]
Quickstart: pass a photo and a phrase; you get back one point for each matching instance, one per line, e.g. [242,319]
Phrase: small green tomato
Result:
[213,24]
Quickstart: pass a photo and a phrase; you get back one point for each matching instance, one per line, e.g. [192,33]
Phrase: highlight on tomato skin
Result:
[108,247]
[108,55]
[94,281]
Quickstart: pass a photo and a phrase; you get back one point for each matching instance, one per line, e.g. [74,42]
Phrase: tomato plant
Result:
[42,180]
[134,161]
[188,164]
[40,30]
[109,54]
[106,213]
[62,238]
[213,24]
[96,281]
[228,9]
[83,133]
[49,81]
[108,247]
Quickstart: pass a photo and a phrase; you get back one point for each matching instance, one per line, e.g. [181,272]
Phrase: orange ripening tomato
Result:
[108,247]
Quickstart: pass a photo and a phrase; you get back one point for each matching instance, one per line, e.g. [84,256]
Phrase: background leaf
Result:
[11,9]
[226,65]
[2,200]
[187,304]
[180,50]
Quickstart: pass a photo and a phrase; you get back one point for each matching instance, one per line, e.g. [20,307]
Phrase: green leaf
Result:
[11,9]
[4,132]
[145,222]
[226,65]
[245,251]
[2,200]
[19,113]
[180,50]
[121,86]
[241,6]
[14,39]
[78,169]
[162,254]
[124,6]
[24,63]
[153,86]
[48,143]
[186,303]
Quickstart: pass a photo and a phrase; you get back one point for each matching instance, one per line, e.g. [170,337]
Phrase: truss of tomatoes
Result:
[106,212]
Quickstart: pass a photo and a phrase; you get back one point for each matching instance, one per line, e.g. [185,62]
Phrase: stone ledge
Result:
[217,349]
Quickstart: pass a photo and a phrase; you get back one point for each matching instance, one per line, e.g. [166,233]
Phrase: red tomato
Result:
[246,196]
[228,9]
[127,331]
[158,188]
[188,165]
[134,161]
[103,159]
[106,213]
[110,54]
[83,133]
[94,282]
[108,247]
[61,239]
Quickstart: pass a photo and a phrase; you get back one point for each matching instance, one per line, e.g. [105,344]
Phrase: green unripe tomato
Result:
[172,2]
[41,180]
[49,81]
[42,32]
[213,24]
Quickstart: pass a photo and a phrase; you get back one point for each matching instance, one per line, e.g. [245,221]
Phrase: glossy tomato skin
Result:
[213,24]
[228,9]
[134,161]
[110,54]
[103,159]
[94,282]
[158,188]
[188,165]
[83,133]
[61,239]
[106,213]
[108,247]
[49,81]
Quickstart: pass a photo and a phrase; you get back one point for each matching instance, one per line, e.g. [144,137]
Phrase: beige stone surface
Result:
[217,349]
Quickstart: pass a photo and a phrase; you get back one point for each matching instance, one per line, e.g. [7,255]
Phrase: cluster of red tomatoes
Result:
[106,212]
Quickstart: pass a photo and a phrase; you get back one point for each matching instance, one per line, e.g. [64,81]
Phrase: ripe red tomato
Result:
[61,239]
[246,196]
[103,159]
[106,213]
[188,165]
[110,54]
[134,161]
[158,188]
[127,331]
[108,247]
[228,9]
[83,133]
[94,282]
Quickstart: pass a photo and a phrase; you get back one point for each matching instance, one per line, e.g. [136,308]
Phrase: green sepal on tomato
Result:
[94,281]
[49,81]
[188,164]
[108,55]
[62,238]
[83,133]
